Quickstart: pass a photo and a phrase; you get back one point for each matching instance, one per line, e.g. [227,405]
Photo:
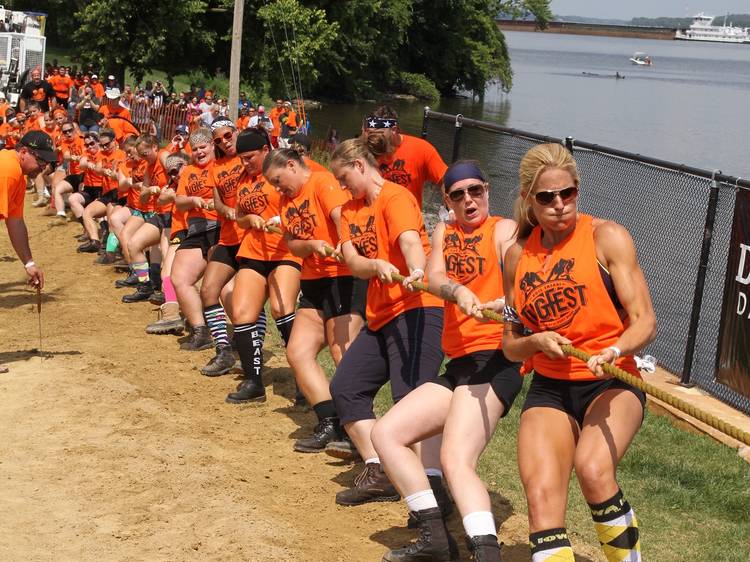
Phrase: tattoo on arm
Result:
[448,290]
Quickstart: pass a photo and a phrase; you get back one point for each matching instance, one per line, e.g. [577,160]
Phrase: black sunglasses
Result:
[66,131]
[547,197]
[475,191]
[104,144]
[90,143]
[225,137]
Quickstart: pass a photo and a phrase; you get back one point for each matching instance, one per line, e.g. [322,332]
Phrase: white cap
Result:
[110,77]
[2,95]
[113,93]
[94,76]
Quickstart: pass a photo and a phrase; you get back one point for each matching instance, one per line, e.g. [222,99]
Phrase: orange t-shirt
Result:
[242,122]
[224,175]
[307,216]
[275,116]
[414,162]
[91,178]
[75,147]
[471,260]
[34,124]
[135,170]
[12,185]
[195,181]
[5,132]
[98,89]
[315,166]
[255,196]
[156,175]
[110,161]
[118,111]
[561,290]
[374,231]
[61,85]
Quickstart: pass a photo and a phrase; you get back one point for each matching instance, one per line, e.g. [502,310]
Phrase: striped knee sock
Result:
[617,529]
[551,545]
[216,320]
[284,326]
[250,349]
[140,268]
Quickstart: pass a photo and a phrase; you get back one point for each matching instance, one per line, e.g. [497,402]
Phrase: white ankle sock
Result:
[433,472]
[61,214]
[421,500]
[373,460]
[479,523]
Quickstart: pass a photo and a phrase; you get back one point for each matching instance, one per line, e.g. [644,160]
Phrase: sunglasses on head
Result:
[225,137]
[547,197]
[475,191]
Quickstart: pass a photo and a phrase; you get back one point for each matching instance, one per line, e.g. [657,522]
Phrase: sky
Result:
[617,9]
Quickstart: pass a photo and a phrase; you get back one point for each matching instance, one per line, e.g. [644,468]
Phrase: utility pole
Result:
[234,64]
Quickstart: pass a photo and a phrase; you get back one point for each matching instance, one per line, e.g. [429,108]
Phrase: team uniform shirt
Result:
[275,115]
[98,89]
[135,170]
[314,166]
[156,175]
[12,185]
[61,85]
[224,175]
[414,162]
[562,290]
[170,149]
[39,93]
[373,231]
[75,147]
[36,124]
[471,260]
[307,216]
[195,181]
[110,161]
[255,196]
[8,132]
[91,178]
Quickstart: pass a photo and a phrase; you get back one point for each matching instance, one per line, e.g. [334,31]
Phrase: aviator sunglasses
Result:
[475,191]
[225,137]
[547,197]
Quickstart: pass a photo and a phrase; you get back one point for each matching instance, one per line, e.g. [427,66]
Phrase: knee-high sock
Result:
[112,243]
[617,529]
[551,545]
[284,326]
[140,268]
[261,324]
[250,349]
[169,293]
[216,320]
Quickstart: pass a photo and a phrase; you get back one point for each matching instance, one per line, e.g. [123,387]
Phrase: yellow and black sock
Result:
[551,545]
[617,529]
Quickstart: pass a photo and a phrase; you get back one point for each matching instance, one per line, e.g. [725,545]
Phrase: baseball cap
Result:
[94,76]
[301,139]
[113,93]
[182,129]
[41,144]
[110,77]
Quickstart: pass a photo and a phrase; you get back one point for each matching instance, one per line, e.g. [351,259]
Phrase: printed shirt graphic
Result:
[255,196]
[414,162]
[567,296]
[471,260]
[307,216]
[374,231]
[225,174]
[195,181]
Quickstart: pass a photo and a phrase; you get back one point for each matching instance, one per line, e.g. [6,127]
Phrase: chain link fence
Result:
[663,205]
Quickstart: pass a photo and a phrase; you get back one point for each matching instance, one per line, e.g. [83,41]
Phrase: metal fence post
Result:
[425,117]
[457,137]
[569,144]
[708,232]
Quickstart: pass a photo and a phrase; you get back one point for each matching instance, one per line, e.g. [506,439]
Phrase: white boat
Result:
[703,30]
[641,59]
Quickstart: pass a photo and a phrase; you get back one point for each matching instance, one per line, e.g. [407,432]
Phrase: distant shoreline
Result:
[569,28]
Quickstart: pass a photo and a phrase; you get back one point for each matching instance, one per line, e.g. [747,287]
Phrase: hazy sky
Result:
[618,9]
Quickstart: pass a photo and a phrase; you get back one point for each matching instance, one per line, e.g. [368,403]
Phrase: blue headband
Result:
[462,171]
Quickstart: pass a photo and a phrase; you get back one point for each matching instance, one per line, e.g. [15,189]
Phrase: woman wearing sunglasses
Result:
[573,279]
[479,384]
[70,149]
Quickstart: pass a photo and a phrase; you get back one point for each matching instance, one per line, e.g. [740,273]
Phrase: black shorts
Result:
[334,296]
[203,240]
[226,255]
[74,180]
[90,194]
[265,268]
[109,198]
[482,367]
[160,220]
[176,238]
[572,397]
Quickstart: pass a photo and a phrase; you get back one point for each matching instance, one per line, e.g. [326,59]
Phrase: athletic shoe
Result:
[343,449]
[371,485]
[200,339]
[157,298]
[220,364]
[327,430]
[107,258]
[142,293]
[434,543]
[247,391]
[169,321]
[90,247]
[40,202]
[130,281]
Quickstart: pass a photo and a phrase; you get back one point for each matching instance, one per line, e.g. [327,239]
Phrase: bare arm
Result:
[19,238]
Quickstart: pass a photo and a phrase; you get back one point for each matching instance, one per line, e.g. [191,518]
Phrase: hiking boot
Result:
[484,548]
[107,258]
[371,485]
[121,265]
[142,293]
[441,496]
[169,321]
[157,298]
[327,430]
[434,543]
[343,449]
[248,390]
[200,339]
[59,220]
[299,399]
[90,247]
[220,364]
[130,281]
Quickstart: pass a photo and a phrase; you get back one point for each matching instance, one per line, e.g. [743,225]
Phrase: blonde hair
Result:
[279,157]
[534,163]
[350,150]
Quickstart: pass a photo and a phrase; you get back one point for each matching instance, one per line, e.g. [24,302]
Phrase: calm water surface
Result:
[692,106]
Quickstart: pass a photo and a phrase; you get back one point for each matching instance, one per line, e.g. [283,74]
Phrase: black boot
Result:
[200,339]
[130,281]
[327,430]
[299,399]
[434,544]
[220,364]
[248,390]
[142,293]
[441,496]
[90,247]
[484,548]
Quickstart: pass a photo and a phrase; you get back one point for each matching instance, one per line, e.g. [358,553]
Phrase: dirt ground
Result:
[114,447]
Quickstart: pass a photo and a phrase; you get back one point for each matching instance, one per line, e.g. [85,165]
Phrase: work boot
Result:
[83,237]
[121,265]
[343,449]
[142,293]
[169,321]
[441,496]
[371,485]
[220,364]
[157,299]
[434,543]
[90,247]
[130,281]
[200,339]
[107,258]
[484,548]
[327,430]
[247,391]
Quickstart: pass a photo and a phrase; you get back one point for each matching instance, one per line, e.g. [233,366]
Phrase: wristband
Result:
[616,350]
[29,264]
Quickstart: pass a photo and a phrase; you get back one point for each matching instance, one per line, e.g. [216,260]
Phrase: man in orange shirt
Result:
[97,86]
[275,116]
[62,84]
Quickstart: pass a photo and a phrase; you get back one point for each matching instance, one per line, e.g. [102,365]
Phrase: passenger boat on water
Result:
[703,30]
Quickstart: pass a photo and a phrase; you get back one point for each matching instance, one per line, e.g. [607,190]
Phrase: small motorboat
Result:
[641,59]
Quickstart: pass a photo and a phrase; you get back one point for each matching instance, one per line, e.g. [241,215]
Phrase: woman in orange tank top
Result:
[479,384]
[573,279]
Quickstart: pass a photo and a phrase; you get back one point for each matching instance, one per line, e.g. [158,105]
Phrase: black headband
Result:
[373,122]
[249,141]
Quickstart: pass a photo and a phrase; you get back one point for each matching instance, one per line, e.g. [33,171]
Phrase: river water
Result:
[692,106]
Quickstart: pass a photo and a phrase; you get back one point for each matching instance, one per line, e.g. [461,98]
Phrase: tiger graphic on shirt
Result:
[301,222]
[552,303]
[364,239]
[462,260]
[396,172]
[252,199]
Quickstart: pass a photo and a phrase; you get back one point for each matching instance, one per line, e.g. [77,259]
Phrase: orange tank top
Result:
[471,260]
[561,290]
